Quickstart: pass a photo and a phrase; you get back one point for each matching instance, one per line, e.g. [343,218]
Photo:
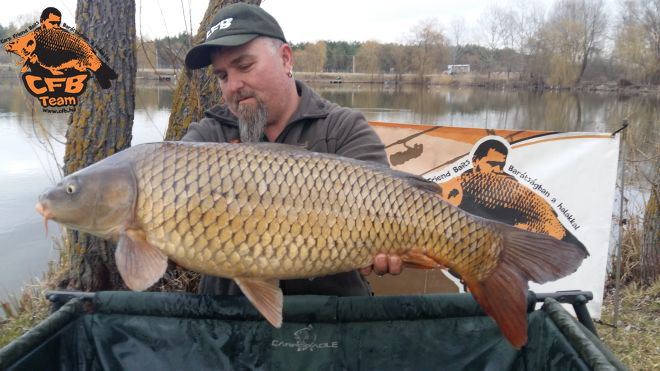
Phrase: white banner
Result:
[561,184]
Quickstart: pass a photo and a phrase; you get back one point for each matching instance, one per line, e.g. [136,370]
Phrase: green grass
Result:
[636,341]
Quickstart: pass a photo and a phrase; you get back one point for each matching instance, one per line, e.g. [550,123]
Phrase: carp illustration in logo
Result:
[55,56]
[487,191]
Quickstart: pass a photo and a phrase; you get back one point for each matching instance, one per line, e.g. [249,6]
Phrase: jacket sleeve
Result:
[356,139]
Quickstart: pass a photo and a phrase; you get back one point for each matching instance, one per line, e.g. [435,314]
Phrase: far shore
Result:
[497,80]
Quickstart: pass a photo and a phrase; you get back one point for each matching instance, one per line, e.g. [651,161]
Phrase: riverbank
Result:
[497,81]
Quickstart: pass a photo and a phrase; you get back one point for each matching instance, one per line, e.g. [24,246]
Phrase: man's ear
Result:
[287,57]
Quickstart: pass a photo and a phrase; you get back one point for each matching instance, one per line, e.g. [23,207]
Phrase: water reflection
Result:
[31,144]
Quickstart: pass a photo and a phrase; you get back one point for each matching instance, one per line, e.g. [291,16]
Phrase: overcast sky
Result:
[301,20]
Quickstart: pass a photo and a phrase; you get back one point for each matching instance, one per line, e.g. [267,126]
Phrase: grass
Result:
[27,311]
[636,341]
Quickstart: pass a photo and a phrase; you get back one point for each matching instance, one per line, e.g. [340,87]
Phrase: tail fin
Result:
[104,74]
[525,256]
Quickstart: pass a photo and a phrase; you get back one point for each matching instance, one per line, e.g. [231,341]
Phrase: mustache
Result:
[242,95]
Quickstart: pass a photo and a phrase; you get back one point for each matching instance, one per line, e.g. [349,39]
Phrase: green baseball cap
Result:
[233,25]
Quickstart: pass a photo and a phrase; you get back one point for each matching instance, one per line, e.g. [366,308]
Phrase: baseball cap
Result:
[233,25]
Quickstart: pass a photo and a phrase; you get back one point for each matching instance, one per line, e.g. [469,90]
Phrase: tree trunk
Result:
[196,90]
[100,127]
[583,67]
[649,255]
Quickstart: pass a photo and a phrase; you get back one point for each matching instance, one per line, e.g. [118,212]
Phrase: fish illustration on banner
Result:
[543,182]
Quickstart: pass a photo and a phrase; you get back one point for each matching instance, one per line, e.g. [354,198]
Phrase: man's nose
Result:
[234,83]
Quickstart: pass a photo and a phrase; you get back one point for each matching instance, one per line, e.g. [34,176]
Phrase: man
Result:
[50,18]
[490,156]
[263,102]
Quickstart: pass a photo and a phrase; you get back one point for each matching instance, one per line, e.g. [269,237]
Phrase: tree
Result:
[650,254]
[574,34]
[368,58]
[637,40]
[340,55]
[492,33]
[100,127]
[457,32]
[429,47]
[196,90]
[311,57]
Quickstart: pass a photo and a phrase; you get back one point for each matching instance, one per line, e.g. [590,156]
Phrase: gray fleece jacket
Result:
[320,126]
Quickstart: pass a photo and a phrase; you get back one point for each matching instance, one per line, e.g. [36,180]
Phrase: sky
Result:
[301,20]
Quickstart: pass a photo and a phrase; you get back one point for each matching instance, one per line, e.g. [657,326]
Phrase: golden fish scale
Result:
[242,211]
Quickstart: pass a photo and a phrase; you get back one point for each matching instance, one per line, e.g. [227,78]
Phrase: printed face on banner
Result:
[542,182]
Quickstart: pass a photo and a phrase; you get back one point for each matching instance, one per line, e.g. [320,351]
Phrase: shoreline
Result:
[497,81]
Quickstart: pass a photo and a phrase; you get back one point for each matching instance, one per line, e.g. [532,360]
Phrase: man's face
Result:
[52,21]
[252,78]
[493,162]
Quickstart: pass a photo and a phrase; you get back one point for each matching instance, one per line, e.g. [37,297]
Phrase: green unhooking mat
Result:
[165,331]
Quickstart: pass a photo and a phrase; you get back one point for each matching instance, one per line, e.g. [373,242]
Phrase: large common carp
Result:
[258,213]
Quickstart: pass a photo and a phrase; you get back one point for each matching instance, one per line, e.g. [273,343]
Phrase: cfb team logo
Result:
[58,61]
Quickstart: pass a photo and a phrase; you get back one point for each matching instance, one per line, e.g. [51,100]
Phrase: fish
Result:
[500,196]
[57,51]
[262,212]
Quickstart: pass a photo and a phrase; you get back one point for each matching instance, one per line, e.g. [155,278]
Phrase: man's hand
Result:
[383,264]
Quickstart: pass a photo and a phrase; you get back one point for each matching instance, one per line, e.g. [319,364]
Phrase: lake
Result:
[32,143]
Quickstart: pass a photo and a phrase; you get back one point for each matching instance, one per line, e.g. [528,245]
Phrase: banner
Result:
[560,184]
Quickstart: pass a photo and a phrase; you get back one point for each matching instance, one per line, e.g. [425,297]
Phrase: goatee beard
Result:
[252,121]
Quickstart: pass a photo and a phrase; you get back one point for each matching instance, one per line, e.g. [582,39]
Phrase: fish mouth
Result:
[45,213]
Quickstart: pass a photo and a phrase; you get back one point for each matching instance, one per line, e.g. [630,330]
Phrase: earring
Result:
[290,73]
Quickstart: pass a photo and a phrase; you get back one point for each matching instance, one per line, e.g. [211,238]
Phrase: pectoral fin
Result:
[266,296]
[139,263]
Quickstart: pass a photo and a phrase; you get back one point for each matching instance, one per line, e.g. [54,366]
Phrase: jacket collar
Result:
[311,106]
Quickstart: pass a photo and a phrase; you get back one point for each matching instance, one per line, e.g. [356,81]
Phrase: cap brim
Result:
[200,55]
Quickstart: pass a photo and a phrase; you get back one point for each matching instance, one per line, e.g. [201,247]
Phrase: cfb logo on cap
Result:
[225,23]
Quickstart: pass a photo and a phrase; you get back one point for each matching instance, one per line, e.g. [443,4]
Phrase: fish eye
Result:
[70,189]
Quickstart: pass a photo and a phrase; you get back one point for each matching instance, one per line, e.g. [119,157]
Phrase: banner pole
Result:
[622,221]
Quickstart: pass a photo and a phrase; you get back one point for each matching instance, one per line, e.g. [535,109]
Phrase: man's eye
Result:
[244,67]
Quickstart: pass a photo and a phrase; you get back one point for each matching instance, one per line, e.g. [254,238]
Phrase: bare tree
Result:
[429,47]
[368,58]
[401,55]
[492,33]
[637,40]
[577,28]
[457,31]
